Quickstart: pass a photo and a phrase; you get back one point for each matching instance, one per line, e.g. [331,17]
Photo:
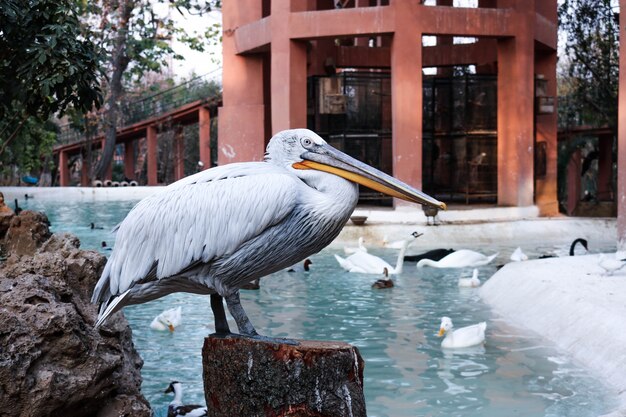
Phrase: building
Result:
[479,124]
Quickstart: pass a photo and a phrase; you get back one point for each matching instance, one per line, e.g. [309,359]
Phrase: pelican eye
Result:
[306,142]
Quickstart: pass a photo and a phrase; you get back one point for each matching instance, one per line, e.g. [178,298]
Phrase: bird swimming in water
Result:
[397,244]
[93,226]
[461,338]
[176,406]
[168,320]
[360,247]
[366,263]
[301,267]
[470,282]
[461,258]
[518,255]
[384,283]
[105,246]
[18,209]
[214,231]
[433,255]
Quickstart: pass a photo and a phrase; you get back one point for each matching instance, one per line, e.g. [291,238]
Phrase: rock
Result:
[52,361]
[244,377]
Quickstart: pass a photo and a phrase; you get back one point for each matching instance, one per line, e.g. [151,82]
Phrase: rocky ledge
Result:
[52,361]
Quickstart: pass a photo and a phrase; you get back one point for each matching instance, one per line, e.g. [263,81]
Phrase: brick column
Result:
[151,136]
[621,136]
[241,118]
[288,70]
[406,96]
[204,128]
[64,171]
[516,111]
[129,160]
[179,152]
[605,168]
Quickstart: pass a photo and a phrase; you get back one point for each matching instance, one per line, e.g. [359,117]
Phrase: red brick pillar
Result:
[129,160]
[151,136]
[406,96]
[288,70]
[621,135]
[204,127]
[64,171]
[242,116]
[516,111]
[605,168]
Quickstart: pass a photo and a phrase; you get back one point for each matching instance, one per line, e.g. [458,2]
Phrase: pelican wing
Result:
[197,220]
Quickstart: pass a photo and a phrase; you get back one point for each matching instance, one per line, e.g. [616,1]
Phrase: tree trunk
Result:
[119,63]
[244,377]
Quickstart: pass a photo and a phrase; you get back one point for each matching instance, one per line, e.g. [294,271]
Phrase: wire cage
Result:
[352,111]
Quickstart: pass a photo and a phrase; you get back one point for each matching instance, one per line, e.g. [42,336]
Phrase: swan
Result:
[384,283]
[470,282]
[398,243]
[518,255]
[610,265]
[572,249]
[463,337]
[168,319]
[176,407]
[459,259]
[434,254]
[367,263]
[361,247]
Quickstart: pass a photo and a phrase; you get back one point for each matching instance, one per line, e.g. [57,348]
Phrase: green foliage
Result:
[589,71]
[45,61]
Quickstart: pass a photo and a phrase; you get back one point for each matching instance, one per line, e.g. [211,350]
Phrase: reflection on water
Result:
[406,373]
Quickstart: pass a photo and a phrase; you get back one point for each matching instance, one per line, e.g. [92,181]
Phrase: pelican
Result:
[459,259]
[461,338]
[470,282]
[214,231]
[366,263]
[176,407]
[360,247]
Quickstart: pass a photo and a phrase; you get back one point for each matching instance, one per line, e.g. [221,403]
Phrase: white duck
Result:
[459,259]
[176,406]
[470,282]
[367,263]
[463,337]
[361,247]
[168,320]
[518,255]
[610,265]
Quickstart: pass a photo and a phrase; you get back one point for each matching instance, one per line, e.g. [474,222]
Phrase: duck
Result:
[518,255]
[27,196]
[470,282]
[398,243]
[176,406]
[303,267]
[366,263]
[461,338]
[93,226]
[459,259]
[610,265]
[168,320]
[433,254]
[360,247]
[384,283]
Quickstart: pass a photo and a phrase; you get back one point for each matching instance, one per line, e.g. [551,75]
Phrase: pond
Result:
[406,371]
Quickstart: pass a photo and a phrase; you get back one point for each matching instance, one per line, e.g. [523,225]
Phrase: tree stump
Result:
[244,377]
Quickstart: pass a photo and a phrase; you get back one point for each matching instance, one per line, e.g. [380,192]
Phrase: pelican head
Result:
[446,325]
[302,149]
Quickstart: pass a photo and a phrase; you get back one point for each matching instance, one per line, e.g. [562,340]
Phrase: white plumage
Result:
[176,407]
[217,230]
[461,258]
[168,320]
[470,282]
[610,264]
[518,255]
[461,338]
[360,247]
[366,263]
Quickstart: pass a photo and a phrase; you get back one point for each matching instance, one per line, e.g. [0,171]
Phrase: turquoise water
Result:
[406,371]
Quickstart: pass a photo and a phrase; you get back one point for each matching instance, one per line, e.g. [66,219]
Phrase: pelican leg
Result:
[245,326]
[221,324]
